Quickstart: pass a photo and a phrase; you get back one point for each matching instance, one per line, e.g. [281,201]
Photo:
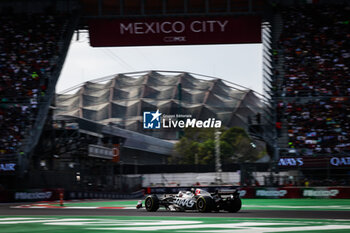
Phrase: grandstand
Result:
[121,99]
[34,40]
[312,80]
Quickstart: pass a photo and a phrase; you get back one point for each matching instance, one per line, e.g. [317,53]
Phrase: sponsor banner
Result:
[33,195]
[7,167]
[292,192]
[247,192]
[30,195]
[270,193]
[296,192]
[340,161]
[175,31]
[314,162]
[326,192]
[54,194]
[290,162]
[37,195]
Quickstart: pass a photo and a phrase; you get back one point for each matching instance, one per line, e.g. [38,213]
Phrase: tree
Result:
[195,141]
[235,146]
[186,149]
[239,146]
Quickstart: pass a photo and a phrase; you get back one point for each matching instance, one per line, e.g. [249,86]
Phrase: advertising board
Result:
[175,31]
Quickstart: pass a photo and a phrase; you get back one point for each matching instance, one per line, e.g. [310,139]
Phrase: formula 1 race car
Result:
[198,199]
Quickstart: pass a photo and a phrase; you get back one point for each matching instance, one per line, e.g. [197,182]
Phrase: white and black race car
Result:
[198,199]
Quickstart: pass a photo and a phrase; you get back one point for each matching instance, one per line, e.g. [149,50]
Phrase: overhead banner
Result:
[175,31]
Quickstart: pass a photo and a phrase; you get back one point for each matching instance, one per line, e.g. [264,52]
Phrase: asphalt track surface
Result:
[6,210]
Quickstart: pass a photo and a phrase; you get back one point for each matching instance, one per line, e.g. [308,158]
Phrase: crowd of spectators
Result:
[318,126]
[28,49]
[315,42]
[315,90]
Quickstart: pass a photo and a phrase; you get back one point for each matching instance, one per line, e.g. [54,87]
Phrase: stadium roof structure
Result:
[121,99]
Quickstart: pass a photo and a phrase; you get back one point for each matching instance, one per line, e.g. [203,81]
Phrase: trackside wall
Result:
[266,192]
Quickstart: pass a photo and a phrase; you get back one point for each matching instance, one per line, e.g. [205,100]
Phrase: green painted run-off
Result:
[272,204]
[99,224]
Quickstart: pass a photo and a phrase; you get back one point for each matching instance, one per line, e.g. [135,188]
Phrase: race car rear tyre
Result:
[205,204]
[234,205]
[152,203]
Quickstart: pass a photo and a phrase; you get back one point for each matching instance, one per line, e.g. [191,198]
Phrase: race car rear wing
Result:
[174,190]
[227,192]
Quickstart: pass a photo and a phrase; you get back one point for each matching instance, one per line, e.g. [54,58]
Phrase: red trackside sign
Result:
[175,31]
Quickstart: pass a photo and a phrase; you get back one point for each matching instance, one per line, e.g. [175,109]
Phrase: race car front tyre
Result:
[234,205]
[152,203]
[205,204]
